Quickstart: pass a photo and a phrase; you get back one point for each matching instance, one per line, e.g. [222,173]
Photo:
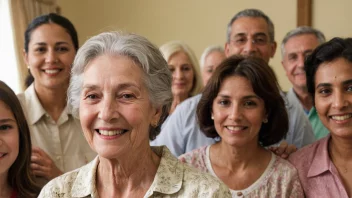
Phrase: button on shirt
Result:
[318,174]
[63,140]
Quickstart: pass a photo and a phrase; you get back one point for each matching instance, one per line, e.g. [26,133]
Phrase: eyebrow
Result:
[120,86]
[245,97]
[7,120]
[57,43]
[346,82]
[245,34]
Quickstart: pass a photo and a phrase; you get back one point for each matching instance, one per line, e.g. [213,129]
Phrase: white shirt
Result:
[63,140]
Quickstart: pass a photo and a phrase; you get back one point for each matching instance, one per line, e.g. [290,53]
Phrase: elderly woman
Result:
[325,167]
[120,86]
[186,79]
[211,58]
[242,104]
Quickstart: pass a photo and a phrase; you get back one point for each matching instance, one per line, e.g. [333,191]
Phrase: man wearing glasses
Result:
[249,33]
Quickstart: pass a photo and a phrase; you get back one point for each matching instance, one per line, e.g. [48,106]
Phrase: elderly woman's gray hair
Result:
[209,50]
[157,76]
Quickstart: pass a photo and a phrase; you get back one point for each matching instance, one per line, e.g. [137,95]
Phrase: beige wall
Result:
[197,22]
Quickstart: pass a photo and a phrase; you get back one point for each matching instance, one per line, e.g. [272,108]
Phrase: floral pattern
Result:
[172,179]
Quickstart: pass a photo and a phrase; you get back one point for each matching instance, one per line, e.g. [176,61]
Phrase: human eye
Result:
[260,40]
[292,57]
[249,103]
[172,69]
[349,88]
[5,127]
[91,96]
[186,68]
[240,40]
[40,49]
[126,96]
[324,91]
[209,70]
[223,102]
[62,49]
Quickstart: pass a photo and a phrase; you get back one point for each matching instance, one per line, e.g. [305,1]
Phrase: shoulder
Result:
[304,156]
[196,158]
[200,184]
[60,186]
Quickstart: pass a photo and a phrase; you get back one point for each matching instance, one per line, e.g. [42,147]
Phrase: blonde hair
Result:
[172,47]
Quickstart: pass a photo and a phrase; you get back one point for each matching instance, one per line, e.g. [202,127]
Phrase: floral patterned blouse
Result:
[172,179]
[280,179]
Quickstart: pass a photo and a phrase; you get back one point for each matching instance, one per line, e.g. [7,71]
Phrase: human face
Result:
[333,96]
[182,74]
[50,55]
[9,139]
[212,61]
[296,50]
[115,110]
[238,115]
[250,37]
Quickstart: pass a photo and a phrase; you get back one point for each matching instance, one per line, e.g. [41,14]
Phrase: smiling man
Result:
[295,47]
[250,33]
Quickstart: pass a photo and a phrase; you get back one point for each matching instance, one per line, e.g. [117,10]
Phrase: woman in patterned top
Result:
[242,105]
[120,86]
[16,179]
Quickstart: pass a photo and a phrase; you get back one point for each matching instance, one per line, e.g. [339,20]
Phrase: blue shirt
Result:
[181,132]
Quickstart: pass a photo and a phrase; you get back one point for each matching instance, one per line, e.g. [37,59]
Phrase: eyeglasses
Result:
[241,41]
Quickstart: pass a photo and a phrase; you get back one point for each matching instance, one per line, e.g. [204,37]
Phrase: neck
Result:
[340,148]
[238,158]
[5,189]
[304,97]
[52,100]
[132,173]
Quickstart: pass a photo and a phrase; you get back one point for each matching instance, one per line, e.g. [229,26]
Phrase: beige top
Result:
[63,141]
[172,179]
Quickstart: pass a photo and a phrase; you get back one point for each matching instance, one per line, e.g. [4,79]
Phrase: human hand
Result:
[42,165]
[284,149]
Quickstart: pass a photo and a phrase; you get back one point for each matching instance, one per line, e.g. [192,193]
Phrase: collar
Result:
[34,108]
[168,178]
[321,160]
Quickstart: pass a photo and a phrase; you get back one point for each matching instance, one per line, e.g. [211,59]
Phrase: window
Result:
[8,64]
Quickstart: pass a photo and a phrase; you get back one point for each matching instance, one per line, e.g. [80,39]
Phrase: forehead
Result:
[50,32]
[249,26]
[302,42]
[241,84]
[334,72]
[5,111]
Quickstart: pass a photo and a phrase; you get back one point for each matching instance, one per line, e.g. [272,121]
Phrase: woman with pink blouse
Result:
[241,104]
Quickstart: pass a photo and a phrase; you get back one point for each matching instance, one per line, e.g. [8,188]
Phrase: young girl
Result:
[16,179]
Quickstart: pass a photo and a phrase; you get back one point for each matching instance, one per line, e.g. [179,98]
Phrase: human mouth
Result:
[341,117]
[235,128]
[111,132]
[2,155]
[52,71]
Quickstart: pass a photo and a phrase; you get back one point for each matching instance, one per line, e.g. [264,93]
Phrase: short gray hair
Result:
[299,31]
[172,47]
[156,74]
[209,50]
[252,13]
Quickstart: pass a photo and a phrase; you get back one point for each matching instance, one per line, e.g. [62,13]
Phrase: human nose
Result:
[301,60]
[235,113]
[249,47]
[51,56]
[108,110]
[178,74]
[339,100]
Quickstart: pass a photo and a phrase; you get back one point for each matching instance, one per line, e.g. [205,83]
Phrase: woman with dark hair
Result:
[325,167]
[242,105]
[50,47]
[15,148]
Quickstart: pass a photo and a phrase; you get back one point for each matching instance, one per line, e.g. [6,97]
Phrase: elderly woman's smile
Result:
[115,108]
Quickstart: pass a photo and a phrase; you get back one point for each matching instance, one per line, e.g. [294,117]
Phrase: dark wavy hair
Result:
[329,51]
[19,177]
[265,85]
[48,19]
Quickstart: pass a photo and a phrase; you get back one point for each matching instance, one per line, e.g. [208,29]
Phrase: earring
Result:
[265,120]
[154,124]
[27,66]
[212,117]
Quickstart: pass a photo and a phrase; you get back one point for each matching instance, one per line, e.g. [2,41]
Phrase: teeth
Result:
[111,133]
[232,128]
[344,117]
[52,71]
